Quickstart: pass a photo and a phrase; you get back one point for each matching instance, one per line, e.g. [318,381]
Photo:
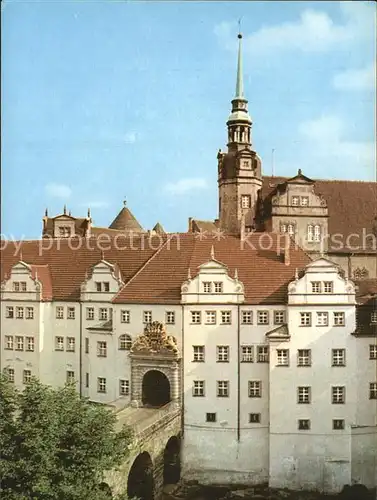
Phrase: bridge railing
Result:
[158,418]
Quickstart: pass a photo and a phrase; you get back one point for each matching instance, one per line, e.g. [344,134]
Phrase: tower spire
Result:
[239,83]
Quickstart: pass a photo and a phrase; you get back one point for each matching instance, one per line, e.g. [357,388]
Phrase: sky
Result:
[110,100]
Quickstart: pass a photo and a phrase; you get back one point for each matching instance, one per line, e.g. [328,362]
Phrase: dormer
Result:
[323,282]
[27,282]
[65,225]
[104,282]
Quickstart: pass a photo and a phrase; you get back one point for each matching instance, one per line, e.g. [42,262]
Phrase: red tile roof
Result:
[42,273]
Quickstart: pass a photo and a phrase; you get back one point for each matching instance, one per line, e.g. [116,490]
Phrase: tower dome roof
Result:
[126,221]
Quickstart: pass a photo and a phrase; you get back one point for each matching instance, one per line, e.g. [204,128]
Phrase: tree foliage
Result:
[55,445]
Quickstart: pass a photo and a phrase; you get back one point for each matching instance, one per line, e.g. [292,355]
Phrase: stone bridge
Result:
[154,458]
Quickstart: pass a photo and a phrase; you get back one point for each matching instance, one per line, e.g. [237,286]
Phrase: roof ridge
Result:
[321,180]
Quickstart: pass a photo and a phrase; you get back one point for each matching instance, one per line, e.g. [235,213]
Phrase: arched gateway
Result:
[155,389]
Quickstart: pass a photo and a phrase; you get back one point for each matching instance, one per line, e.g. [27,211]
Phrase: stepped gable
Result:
[126,221]
[352,206]
[161,278]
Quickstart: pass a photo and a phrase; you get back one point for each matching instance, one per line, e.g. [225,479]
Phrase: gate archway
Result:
[140,483]
[172,461]
[155,389]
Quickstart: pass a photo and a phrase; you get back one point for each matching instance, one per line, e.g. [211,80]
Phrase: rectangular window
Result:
[246,317]
[198,353]
[207,287]
[9,312]
[255,389]
[198,388]
[147,317]
[59,312]
[101,385]
[328,287]
[304,424]
[373,390]
[70,344]
[338,395]
[9,342]
[338,357]
[106,286]
[30,344]
[245,201]
[210,417]
[86,379]
[316,287]
[247,353]
[226,317]
[210,317]
[222,353]
[19,312]
[373,351]
[322,319]
[317,233]
[305,319]
[304,201]
[70,378]
[16,286]
[223,388]
[263,317]
[103,314]
[9,373]
[291,229]
[102,349]
[262,354]
[295,201]
[125,316]
[26,377]
[170,317]
[195,317]
[310,233]
[338,424]
[125,342]
[59,344]
[218,286]
[98,286]
[254,418]
[90,313]
[282,357]
[30,313]
[279,317]
[373,317]
[124,387]
[304,357]
[19,343]
[71,313]
[303,395]
[86,345]
[339,319]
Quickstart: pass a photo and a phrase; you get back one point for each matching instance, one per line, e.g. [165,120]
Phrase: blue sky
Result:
[103,100]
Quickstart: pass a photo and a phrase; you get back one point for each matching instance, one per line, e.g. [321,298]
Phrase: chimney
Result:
[287,253]
[190,224]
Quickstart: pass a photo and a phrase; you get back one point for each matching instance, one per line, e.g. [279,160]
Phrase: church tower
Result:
[239,169]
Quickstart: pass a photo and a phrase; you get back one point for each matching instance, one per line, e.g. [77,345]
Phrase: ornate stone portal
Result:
[155,350]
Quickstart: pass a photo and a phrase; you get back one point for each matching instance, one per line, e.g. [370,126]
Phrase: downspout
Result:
[182,371]
[238,376]
[80,351]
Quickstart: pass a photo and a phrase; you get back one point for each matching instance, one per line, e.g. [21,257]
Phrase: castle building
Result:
[269,331]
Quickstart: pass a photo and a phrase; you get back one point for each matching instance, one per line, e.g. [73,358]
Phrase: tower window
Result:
[246,164]
[245,201]
[295,201]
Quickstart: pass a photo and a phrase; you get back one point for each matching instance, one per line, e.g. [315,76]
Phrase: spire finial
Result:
[212,253]
[239,83]
[65,210]
[189,274]
[88,213]
[125,202]
[46,213]
[236,274]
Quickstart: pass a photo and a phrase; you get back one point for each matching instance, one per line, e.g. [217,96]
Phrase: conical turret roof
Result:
[159,229]
[126,221]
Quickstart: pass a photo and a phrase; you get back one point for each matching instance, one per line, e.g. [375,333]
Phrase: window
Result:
[125,342]
[9,342]
[23,286]
[304,357]
[303,395]
[338,424]
[310,233]
[102,286]
[29,312]
[247,317]
[19,312]
[170,317]
[291,229]
[304,201]
[210,417]
[198,352]
[9,373]
[195,317]
[198,388]
[147,317]
[98,286]
[103,313]
[339,319]
[26,377]
[9,312]
[86,345]
[90,313]
[19,286]
[245,164]
[222,353]
[317,233]
[207,287]
[328,287]
[338,357]
[59,312]
[59,344]
[304,425]
[254,418]
[316,287]
[262,354]
[255,389]
[102,349]
[245,201]
[86,379]
[71,313]
[125,316]
[70,344]
[247,353]
[70,378]
[279,317]
[373,351]
[30,344]
[226,317]
[223,388]
[283,228]
[373,317]
[64,232]
[101,384]
[124,387]
[338,395]
[210,317]
[282,357]
[322,318]
[295,201]
[305,319]
[19,343]
[218,286]
[106,286]
[263,318]
[373,390]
